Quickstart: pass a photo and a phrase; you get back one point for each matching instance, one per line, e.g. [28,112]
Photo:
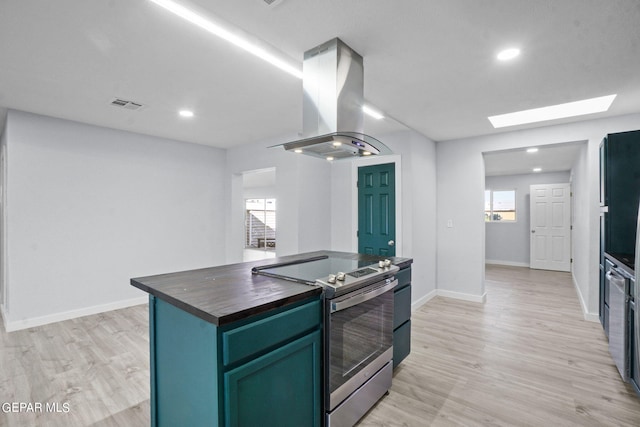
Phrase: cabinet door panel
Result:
[281,388]
[401,306]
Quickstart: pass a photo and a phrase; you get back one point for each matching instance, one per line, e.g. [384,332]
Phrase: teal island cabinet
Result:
[260,371]
[228,348]
[231,348]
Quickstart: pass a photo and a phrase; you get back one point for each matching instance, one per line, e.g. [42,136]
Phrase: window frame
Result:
[491,206]
[247,212]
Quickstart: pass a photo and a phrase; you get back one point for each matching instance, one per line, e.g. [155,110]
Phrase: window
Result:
[260,224]
[499,205]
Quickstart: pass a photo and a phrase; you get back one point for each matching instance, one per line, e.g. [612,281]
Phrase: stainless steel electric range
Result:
[358,329]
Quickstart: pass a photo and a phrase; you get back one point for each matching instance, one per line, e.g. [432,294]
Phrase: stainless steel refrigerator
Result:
[634,318]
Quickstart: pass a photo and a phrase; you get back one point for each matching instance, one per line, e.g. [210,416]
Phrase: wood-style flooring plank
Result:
[97,365]
[524,358]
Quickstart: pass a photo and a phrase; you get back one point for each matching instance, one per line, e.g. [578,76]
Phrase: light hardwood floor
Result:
[525,358]
[98,365]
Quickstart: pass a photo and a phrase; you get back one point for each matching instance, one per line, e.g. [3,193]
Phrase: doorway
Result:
[511,173]
[259,214]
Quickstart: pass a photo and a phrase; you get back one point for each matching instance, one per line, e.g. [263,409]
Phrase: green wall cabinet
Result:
[263,371]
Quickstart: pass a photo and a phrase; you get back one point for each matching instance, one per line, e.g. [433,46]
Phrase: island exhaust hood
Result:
[332,116]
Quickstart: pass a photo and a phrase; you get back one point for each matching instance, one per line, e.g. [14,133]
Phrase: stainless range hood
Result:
[332,116]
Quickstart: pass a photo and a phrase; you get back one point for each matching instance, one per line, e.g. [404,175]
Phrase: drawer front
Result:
[404,277]
[401,343]
[401,306]
[242,342]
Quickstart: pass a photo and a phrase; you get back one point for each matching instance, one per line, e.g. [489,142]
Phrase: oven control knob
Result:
[332,279]
[387,263]
[341,276]
[381,264]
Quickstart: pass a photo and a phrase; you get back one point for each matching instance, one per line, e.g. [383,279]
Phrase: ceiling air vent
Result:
[129,105]
[271,3]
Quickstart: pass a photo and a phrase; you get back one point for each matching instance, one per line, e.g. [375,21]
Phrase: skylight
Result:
[553,112]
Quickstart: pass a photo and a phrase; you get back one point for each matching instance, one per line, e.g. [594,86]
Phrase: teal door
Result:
[377,210]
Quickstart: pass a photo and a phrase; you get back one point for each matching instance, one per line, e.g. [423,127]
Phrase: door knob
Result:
[391,243]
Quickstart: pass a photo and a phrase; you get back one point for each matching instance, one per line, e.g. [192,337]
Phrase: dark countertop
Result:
[623,261]
[225,294]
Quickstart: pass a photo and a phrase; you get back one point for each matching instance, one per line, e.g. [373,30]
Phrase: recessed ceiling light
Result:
[297,150]
[537,169]
[185,113]
[532,150]
[373,113]
[329,158]
[508,54]
[228,35]
[553,112]
[366,153]
[336,143]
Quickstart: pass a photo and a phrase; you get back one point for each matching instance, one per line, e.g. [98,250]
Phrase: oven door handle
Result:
[365,296]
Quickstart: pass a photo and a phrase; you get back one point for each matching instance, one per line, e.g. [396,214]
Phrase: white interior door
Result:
[550,221]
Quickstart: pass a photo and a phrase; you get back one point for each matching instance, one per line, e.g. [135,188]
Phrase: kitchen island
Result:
[229,347]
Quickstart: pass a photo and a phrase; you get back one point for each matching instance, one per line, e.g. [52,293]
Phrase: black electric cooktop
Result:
[308,271]
[336,275]
[626,259]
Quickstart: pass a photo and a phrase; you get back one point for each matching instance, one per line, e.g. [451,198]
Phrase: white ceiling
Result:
[428,64]
[550,158]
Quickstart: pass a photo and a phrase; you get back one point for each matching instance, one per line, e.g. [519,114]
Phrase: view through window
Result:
[499,205]
[260,224]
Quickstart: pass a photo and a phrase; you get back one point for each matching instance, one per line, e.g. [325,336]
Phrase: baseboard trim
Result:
[2,313]
[16,325]
[507,263]
[462,296]
[425,299]
[589,317]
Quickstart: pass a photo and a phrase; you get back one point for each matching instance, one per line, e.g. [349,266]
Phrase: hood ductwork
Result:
[332,116]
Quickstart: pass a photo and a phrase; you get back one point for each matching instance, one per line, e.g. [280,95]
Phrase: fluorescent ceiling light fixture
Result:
[508,54]
[373,113]
[553,112]
[537,169]
[297,150]
[215,29]
[185,113]
[330,158]
[532,150]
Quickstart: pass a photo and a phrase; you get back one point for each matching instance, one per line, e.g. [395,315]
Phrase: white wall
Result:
[507,242]
[460,177]
[414,156]
[3,196]
[89,207]
[302,191]
[317,201]
[584,179]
